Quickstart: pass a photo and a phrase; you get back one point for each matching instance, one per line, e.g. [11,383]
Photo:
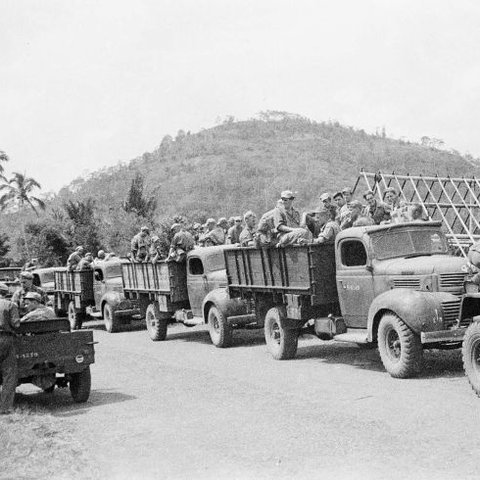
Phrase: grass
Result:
[34,444]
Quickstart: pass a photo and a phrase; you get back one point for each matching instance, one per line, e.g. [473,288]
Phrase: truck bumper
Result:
[443,336]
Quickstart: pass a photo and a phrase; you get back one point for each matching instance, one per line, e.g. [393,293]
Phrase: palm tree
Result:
[3,158]
[17,191]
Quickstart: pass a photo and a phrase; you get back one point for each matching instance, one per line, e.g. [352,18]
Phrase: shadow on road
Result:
[437,363]
[130,327]
[60,402]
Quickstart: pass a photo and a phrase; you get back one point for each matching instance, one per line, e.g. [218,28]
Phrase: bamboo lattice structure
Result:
[453,201]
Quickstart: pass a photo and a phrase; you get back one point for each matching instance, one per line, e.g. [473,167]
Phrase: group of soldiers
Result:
[283,225]
[27,304]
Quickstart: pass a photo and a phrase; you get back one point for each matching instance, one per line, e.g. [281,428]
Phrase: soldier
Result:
[74,258]
[330,227]
[286,221]
[217,235]
[231,222]
[157,250]
[248,234]
[233,234]
[9,322]
[266,234]
[205,240]
[26,286]
[140,245]
[86,263]
[340,202]
[415,213]
[31,265]
[347,195]
[377,211]
[354,213]
[101,256]
[35,310]
[326,200]
[182,243]
[391,198]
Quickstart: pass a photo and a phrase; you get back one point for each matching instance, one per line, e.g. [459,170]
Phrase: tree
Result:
[3,158]
[47,243]
[85,225]
[136,202]
[4,245]
[17,192]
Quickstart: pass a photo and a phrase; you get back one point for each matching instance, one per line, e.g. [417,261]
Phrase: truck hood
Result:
[425,265]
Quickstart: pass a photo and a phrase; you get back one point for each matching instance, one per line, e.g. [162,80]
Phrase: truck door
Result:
[354,282]
[197,282]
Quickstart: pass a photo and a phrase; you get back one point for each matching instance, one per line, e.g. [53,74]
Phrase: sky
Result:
[85,84]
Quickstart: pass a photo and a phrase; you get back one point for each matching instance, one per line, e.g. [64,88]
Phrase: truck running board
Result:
[353,336]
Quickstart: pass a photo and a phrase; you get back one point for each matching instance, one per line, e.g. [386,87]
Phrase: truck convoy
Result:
[393,285]
[192,292]
[97,293]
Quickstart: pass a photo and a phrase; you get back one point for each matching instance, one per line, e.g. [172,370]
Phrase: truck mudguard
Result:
[113,298]
[221,299]
[421,311]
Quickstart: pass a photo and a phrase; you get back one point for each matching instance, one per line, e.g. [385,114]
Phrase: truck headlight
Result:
[79,358]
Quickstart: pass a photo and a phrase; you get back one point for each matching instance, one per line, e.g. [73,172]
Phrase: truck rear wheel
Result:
[471,356]
[220,331]
[281,342]
[110,318]
[80,385]
[75,317]
[400,348]
[156,323]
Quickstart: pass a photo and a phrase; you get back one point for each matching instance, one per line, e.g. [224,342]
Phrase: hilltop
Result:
[244,165]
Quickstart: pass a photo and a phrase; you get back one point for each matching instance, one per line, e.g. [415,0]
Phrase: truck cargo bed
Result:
[307,270]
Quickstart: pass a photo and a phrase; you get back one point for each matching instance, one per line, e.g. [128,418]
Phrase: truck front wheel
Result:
[220,331]
[156,323]
[400,348]
[281,342]
[75,317]
[471,356]
[80,385]
[110,318]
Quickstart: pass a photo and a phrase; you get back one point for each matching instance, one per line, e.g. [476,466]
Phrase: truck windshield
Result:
[413,242]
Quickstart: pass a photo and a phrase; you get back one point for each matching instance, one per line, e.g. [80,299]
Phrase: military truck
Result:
[49,355]
[97,293]
[395,286]
[192,292]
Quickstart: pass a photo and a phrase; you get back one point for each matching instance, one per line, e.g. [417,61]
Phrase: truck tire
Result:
[281,343]
[400,348]
[74,317]
[471,356]
[80,385]
[221,333]
[110,318]
[156,323]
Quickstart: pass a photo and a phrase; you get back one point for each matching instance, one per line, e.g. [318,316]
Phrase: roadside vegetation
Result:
[222,171]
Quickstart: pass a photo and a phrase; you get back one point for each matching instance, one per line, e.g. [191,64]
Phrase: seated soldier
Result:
[233,233]
[286,221]
[86,263]
[26,286]
[182,243]
[330,228]
[247,237]
[74,259]
[354,213]
[35,310]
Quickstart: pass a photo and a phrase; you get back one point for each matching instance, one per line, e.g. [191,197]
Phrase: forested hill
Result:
[244,165]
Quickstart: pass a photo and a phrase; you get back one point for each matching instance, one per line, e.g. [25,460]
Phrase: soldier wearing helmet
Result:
[35,310]
[26,286]
[140,245]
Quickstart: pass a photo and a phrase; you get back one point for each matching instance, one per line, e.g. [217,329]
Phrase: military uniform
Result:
[266,234]
[247,237]
[328,232]
[140,246]
[216,236]
[73,260]
[380,212]
[19,297]
[40,313]
[9,321]
[84,264]
[291,219]
[233,234]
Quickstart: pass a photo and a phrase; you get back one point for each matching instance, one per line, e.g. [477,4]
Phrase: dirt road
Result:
[182,409]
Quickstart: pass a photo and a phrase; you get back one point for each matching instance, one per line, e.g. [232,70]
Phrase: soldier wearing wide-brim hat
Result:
[9,322]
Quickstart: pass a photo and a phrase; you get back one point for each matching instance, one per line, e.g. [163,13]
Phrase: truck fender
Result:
[421,311]
[470,306]
[112,298]
[221,299]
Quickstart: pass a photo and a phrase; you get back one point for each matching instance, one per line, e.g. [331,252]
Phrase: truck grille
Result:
[407,282]
[451,311]
[452,282]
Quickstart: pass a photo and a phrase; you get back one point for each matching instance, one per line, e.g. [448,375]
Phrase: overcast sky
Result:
[84,84]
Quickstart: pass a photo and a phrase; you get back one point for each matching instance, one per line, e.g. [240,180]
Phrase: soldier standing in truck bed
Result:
[9,322]
[74,259]
[182,243]
[140,245]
